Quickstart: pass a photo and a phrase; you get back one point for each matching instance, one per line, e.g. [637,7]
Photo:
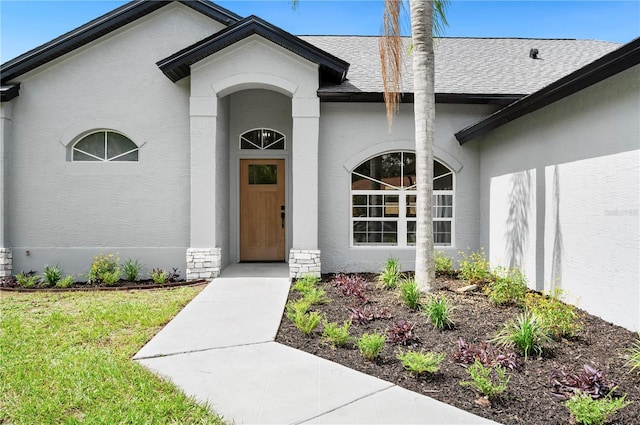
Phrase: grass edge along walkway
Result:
[66,358]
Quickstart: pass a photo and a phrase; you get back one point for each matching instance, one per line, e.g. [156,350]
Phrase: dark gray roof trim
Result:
[608,65]
[459,98]
[99,27]
[9,92]
[178,66]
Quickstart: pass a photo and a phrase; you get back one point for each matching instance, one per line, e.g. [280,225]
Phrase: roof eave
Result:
[9,92]
[608,65]
[456,98]
[178,65]
[99,27]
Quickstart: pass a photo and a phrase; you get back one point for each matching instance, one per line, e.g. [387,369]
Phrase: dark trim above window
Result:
[178,65]
[608,65]
[99,27]
[459,98]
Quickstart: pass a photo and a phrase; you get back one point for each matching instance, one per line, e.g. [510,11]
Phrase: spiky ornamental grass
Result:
[633,355]
[51,275]
[527,333]
[410,293]
[390,275]
[131,269]
[438,310]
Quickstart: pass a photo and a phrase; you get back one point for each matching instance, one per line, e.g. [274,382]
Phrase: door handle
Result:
[282,215]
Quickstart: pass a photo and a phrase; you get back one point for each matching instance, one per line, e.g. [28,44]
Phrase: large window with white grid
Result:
[383,202]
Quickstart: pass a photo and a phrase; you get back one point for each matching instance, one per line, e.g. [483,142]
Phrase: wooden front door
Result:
[262,210]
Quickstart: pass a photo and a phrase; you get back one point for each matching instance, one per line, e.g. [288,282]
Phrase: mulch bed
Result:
[528,399]
[122,285]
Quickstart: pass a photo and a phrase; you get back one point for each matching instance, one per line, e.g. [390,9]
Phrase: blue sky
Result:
[26,24]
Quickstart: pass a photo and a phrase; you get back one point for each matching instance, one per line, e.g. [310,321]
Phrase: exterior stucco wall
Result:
[351,133]
[64,212]
[5,138]
[571,174]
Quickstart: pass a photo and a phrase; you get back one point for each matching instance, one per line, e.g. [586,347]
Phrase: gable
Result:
[178,66]
[100,27]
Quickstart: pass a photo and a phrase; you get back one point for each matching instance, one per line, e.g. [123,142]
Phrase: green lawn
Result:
[65,358]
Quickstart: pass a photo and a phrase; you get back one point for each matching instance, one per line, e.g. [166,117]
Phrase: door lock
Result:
[282,215]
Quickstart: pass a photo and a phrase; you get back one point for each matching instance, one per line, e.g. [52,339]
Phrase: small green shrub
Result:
[371,345]
[307,322]
[438,310]
[527,333]
[158,276]
[131,270]
[483,382]
[443,264]
[104,269]
[560,319]
[337,335]
[633,355]
[316,296]
[390,275]
[410,293]
[111,278]
[417,362]
[66,282]
[27,279]
[51,275]
[509,287]
[293,309]
[475,268]
[306,283]
[587,411]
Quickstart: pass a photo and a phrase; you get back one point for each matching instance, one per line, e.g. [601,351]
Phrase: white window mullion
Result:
[402,219]
[106,155]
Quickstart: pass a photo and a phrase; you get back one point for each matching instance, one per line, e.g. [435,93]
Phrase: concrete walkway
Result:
[220,349]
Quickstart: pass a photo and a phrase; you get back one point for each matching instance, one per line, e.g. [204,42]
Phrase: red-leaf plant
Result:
[352,285]
[467,354]
[591,381]
[401,333]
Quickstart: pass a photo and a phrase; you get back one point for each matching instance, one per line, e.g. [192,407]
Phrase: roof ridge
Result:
[463,38]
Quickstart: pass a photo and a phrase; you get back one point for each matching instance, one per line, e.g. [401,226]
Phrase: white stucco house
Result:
[183,135]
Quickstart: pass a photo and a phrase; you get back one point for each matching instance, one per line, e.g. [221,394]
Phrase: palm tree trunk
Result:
[424,110]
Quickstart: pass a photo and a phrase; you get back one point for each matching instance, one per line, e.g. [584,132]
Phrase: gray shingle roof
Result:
[468,65]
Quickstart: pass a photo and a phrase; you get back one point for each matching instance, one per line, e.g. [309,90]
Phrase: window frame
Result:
[401,219]
[106,149]
[283,138]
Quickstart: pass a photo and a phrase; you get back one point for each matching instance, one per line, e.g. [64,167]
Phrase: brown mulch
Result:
[121,285]
[528,399]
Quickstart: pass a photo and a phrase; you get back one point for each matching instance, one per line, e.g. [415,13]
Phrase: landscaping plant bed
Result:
[528,398]
[123,285]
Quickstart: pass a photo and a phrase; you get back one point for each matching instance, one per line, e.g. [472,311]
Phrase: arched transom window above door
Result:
[383,201]
[262,139]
